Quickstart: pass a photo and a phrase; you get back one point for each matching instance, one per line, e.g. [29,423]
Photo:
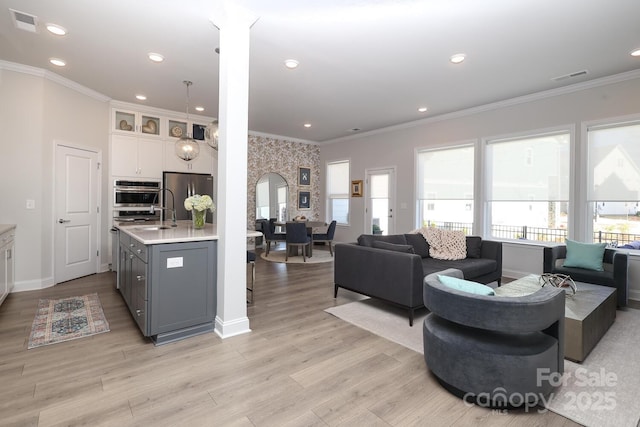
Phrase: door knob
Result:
[62,221]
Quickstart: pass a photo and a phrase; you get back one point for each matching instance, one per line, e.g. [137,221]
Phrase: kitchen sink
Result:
[153,228]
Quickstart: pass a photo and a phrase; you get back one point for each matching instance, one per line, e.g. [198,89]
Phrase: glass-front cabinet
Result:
[125,121]
[177,129]
[132,122]
[198,131]
[150,125]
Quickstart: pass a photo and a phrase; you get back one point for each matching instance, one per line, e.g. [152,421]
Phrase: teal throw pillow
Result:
[465,285]
[584,255]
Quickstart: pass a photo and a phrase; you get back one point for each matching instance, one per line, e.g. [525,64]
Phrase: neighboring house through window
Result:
[526,200]
[445,187]
[614,182]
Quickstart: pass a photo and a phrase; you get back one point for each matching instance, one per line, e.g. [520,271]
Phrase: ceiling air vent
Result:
[24,21]
[570,76]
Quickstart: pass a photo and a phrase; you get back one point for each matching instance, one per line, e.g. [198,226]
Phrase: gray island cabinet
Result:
[168,280]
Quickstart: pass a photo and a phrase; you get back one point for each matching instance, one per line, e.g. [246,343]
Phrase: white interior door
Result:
[380,194]
[76,210]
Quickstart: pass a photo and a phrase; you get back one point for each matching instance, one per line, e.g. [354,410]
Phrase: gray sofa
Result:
[496,351]
[383,267]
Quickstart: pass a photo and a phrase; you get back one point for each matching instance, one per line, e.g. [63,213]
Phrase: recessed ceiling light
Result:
[635,52]
[307,125]
[56,29]
[457,58]
[57,62]
[422,109]
[201,109]
[155,57]
[141,97]
[291,63]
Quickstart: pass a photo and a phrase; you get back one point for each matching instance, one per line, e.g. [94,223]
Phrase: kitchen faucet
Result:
[173,202]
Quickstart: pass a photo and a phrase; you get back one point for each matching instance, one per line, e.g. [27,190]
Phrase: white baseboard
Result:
[33,285]
[231,328]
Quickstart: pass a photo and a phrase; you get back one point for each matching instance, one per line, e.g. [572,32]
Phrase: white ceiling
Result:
[364,64]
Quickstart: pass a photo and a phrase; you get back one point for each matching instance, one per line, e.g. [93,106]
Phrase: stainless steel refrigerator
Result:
[185,185]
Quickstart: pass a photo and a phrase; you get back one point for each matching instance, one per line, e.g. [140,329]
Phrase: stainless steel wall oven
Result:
[132,200]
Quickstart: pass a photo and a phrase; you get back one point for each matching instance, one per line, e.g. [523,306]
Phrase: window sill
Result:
[523,242]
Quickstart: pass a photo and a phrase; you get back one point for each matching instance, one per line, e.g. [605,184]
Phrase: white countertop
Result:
[6,227]
[149,234]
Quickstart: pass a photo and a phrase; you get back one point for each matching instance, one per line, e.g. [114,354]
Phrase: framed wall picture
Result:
[304,200]
[304,176]
[356,188]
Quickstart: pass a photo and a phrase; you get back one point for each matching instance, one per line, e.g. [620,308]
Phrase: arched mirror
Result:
[272,195]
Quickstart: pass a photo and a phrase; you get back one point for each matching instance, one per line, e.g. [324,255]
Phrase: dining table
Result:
[310,226]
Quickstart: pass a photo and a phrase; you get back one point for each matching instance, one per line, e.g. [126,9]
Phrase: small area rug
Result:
[319,256]
[59,320]
[601,391]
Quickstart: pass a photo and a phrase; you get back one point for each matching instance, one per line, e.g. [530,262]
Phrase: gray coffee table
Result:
[588,314]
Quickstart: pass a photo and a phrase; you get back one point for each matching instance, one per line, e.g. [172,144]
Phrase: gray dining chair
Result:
[297,237]
[251,260]
[326,237]
[270,236]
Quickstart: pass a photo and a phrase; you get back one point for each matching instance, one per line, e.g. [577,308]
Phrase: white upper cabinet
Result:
[143,142]
[136,157]
[201,164]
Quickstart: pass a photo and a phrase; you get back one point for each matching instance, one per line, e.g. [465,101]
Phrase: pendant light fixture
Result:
[187,148]
[211,134]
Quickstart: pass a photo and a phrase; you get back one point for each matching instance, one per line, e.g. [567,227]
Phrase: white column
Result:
[234,25]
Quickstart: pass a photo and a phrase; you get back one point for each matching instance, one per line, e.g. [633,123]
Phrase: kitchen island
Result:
[7,259]
[167,277]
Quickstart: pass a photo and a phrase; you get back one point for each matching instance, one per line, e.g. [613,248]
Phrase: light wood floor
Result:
[298,367]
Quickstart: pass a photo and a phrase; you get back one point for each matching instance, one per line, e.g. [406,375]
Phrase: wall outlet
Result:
[175,262]
[31,204]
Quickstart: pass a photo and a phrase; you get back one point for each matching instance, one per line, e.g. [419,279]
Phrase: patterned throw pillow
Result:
[445,244]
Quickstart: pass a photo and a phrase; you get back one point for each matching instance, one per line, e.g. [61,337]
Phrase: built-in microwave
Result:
[135,194]
[132,200]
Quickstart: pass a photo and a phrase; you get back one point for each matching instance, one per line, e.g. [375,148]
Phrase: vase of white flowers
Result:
[198,205]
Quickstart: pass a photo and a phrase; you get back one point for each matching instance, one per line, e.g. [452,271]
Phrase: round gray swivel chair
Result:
[495,351]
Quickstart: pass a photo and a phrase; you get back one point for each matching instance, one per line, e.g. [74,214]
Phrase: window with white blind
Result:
[614,182]
[528,199]
[262,200]
[445,188]
[338,192]
[282,203]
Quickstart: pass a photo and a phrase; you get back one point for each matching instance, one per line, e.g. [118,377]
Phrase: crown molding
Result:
[20,68]
[56,78]
[160,111]
[577,87]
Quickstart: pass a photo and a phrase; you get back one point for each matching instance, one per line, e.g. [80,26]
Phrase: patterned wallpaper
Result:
[283,157]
